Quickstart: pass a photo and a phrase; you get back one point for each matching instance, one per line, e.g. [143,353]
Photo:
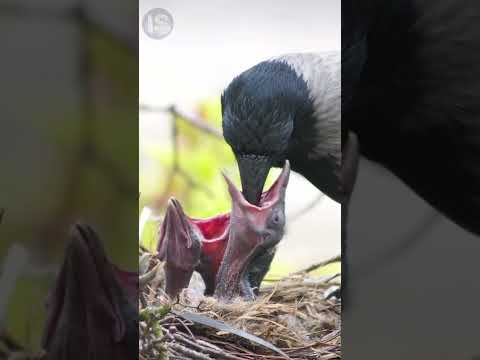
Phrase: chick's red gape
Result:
[227,250]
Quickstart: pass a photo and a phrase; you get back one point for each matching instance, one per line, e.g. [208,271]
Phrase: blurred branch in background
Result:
[176,169]
[191,119]
[318,265]
[188,167]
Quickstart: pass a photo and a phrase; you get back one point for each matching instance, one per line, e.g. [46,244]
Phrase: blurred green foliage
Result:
[100,189]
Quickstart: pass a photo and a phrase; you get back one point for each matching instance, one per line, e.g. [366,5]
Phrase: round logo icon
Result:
[157,23]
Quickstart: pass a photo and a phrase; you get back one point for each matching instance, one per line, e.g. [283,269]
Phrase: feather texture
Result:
[288,107]
[322,74]
[416,109]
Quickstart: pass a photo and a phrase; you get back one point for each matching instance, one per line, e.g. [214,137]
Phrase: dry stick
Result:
[190,119]
[318,265]
[241,350]
[196,122]
[186,328]
[191,343]
[332,277]
[176,168]
[331,336]
[195,355]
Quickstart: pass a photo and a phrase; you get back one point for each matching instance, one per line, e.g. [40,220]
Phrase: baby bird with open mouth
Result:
[233,251]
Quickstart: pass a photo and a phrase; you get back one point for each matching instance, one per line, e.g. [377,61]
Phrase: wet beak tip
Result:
[231,186]
[225,176]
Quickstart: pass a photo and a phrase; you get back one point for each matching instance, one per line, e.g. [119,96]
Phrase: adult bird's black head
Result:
[280,109]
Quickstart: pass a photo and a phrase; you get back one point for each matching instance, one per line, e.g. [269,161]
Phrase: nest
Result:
[291,319]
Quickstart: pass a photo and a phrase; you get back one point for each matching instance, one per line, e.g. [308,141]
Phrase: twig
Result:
[176,169]
[191,354]
[318,265]
[186,328]
[202,348]
[333,277]
[190,119]
[196,122]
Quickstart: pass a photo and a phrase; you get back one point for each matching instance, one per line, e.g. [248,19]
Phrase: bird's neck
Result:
[318,135]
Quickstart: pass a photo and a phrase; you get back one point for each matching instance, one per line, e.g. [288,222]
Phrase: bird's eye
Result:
[277,218]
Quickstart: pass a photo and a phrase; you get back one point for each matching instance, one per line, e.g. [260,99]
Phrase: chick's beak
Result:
[90,311]
[179,246]
[253,173]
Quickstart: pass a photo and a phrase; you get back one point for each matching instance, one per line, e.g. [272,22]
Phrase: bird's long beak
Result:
[253,173]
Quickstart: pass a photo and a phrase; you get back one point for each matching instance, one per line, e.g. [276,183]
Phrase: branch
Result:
[199,124]
[318,265]
[190,119]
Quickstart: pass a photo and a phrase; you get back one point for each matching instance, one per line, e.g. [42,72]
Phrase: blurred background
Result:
[181,150]
[414,289]
[68,146]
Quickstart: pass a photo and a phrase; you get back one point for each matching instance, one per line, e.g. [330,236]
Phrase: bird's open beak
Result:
[250,234]
[253,173]
[179,246]
[221,248]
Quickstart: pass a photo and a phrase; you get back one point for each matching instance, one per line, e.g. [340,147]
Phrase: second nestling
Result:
[232,252]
